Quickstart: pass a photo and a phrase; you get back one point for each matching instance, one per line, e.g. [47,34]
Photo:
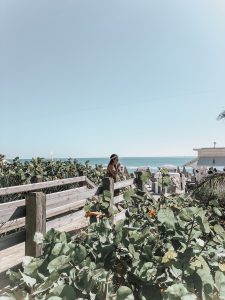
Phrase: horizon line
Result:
[105,157]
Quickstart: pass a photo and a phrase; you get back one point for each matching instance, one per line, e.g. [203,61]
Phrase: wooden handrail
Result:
[39,186]
[123,184]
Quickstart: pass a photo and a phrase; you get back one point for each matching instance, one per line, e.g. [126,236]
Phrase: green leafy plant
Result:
[18,173]
[164,178]
[165,249]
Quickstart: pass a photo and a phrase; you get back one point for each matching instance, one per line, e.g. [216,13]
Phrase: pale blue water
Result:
[132,163]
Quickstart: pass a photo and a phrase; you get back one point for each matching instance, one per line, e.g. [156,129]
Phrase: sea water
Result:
[132,163]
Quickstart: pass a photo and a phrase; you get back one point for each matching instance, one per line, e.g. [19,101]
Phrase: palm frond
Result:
[221,115]
[212,187]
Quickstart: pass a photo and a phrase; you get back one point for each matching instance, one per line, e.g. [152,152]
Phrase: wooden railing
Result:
[39,212]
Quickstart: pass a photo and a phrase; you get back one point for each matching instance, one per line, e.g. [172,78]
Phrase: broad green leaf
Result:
[58,263]
[189,296]
[79,254]
[53,277]
[187,214]
[166,216]
[64,291]
[62,237]
[207,280]
[57,249]
[13,276]
[119,225]
[28,280]
[124,293]
[31,264]
[217,211]
[219,229]
[177,290]
[220,284]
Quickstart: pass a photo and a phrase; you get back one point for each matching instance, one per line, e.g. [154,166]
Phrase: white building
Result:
[207,158]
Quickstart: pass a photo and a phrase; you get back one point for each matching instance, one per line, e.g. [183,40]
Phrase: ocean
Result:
[132,163]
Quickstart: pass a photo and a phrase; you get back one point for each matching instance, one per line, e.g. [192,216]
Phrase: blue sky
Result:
[89,78]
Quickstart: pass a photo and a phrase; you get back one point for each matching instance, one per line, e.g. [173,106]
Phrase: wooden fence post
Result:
[35,221]
[108,185]
[139,182]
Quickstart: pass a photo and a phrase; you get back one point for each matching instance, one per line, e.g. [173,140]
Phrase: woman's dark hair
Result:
[112,157]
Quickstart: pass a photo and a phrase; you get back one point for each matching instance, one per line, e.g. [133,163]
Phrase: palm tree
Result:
[211,188]
[221,115]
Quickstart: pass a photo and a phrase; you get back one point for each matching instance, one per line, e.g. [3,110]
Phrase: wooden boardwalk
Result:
[39,213]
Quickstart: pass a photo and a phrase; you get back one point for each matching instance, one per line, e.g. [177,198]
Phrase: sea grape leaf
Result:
[66,292]
[166,216]
[57,249]
[206,279]
[220,284]
[189,296]
[13,276]
[178,290]
[59,263]
[53,277]
[124,293]
[217,211]
[28,280]
[79,254]
[219,229]
[188,213]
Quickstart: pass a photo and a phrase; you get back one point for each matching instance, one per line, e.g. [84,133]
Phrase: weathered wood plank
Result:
[90,183]
[16,209]
[118,199]
[12,204]
[65,193]
[75,200]
[11,256]
[12,214]
[65,208]
[11,225]
[123,184]
[35,221]
[75,217]
[39,186]
[72,198]
[12,239]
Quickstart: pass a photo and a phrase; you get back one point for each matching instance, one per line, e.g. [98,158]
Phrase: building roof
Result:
[211,152]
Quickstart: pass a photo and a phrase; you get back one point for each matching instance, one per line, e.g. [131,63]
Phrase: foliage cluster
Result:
[169,249]
[18,172]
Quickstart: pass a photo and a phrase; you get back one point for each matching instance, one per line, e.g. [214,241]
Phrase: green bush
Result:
[168,249]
